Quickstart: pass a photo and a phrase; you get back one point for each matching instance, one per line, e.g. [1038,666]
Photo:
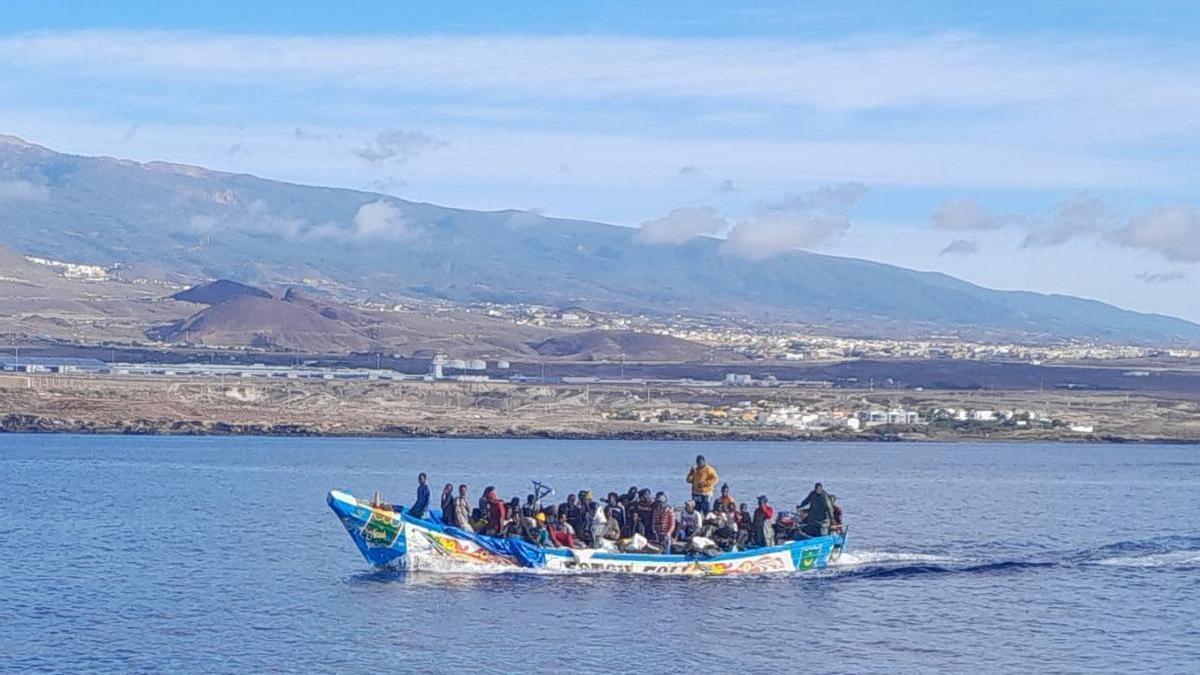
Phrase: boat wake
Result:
[1173,559]
[1148,553]
[1174,552]
[860,558]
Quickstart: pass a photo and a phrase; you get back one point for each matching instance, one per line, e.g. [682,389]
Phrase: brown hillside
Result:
[268,323]
[603,344]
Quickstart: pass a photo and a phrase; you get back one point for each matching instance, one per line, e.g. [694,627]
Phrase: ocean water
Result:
[143,554]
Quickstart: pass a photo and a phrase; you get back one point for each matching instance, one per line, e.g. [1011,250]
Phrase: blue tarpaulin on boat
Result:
[525,553]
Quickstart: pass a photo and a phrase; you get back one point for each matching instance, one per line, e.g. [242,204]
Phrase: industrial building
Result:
[51,364]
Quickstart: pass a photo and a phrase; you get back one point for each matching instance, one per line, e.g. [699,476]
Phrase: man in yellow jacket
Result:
[703,479]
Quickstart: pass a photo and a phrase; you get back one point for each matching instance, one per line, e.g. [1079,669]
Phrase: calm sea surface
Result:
[219,554]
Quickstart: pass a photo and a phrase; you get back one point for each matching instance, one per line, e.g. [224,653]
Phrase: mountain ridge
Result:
[199,224]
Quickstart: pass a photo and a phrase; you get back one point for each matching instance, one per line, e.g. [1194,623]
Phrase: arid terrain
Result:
[557,380]
[163,405]
[85,305]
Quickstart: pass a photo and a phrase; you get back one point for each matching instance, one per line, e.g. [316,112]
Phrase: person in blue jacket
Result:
[420,508]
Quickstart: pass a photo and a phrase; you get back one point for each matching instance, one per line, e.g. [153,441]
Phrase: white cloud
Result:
[1078,216]
[257,217]
[682,224]
[801,220]
[381,220]
[22,190]
[1171,231]
[771,234]
[962,214]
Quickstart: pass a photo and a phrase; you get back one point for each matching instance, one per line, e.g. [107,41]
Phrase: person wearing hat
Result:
[540,534]
[703,478]
[664,522]
[762,528]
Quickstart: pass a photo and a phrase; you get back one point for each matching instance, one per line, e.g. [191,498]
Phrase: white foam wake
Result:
[1170,559]
[858,557]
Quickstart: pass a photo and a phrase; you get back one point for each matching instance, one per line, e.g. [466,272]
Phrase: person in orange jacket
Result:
[703,478]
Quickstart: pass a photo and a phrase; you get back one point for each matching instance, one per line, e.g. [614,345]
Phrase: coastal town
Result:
[768,414]
[753,341]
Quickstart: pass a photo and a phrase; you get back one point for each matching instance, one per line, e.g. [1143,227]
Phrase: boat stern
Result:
[378,533]
[816,553]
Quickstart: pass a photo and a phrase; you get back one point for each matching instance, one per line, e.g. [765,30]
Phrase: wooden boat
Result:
[387,537]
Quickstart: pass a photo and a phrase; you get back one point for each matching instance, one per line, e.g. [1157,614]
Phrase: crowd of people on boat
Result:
[637,520]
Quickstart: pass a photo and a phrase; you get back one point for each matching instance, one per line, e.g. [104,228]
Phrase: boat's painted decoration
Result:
[387,537]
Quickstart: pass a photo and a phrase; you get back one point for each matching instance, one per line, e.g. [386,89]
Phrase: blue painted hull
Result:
[387,538]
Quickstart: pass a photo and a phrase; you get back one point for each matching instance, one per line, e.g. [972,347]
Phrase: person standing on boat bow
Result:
[703,478]
[820,512]
[420,508]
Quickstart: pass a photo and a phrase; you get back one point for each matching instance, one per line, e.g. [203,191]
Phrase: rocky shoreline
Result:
[29,424]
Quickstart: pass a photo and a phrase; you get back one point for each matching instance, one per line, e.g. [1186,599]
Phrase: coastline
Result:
[190,406]
[43,426]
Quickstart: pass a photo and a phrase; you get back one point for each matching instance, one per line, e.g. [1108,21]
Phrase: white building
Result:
[878,417]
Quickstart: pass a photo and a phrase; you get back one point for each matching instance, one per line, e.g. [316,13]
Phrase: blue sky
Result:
[1027,146]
